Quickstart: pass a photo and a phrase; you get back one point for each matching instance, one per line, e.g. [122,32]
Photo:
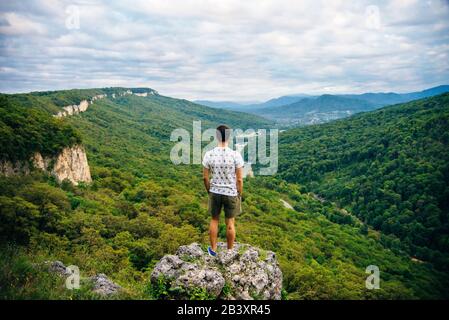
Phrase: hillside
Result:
[389,167]
[140,207]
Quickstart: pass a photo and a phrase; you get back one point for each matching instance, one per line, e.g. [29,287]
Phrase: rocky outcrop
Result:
[78,108]
[74,109]
[58,267]
[286,204]
[70,164]
[147,92]
[245,272]
[103,286]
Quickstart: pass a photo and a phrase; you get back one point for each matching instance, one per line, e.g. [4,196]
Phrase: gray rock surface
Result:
[245,272]
[71,164]
[58,267]
[103,286]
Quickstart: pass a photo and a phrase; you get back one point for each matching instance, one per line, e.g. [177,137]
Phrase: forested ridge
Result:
[140,207]
[389,167]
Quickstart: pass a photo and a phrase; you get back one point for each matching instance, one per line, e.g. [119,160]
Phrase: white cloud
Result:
[229,49]
[16,24]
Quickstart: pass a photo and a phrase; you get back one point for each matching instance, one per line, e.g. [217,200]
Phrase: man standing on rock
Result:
[225,186]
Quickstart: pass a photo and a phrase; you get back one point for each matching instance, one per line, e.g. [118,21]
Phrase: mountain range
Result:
[302,109]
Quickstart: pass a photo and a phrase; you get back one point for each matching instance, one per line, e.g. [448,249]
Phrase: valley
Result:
[139,206]
[303,109]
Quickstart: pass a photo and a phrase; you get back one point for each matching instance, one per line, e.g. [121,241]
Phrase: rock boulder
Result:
[243,273]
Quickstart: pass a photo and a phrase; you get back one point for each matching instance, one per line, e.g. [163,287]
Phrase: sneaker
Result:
[211,252]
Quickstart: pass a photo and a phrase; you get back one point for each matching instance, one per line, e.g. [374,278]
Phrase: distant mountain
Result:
[378,99]
[383,99]
[314,110]
[327,107]
[241,106]
[430,92]
[276,102]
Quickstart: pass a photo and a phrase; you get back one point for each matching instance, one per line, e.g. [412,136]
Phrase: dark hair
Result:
[223,133]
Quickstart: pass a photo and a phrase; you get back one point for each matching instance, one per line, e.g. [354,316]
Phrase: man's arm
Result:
[206,179]
[239,180]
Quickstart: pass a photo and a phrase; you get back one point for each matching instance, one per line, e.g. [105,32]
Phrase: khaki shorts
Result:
[232,205]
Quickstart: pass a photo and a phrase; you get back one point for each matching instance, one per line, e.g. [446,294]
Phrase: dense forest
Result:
[24,131]
[389,167]
[140,207]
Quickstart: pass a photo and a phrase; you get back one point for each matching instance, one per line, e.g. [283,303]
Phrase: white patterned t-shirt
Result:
[222,163]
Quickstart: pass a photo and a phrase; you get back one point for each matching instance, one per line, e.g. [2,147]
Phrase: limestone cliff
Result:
[71,164]
[84,104]
[78,108]
[74,109]
[243,273]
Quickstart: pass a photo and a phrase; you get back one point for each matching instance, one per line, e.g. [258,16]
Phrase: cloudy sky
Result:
[225,50]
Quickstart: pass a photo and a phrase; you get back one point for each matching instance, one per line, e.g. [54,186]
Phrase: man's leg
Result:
[213,232]
[230,232]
